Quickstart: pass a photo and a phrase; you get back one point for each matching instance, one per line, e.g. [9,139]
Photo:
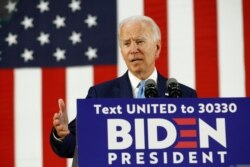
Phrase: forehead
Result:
[135,30]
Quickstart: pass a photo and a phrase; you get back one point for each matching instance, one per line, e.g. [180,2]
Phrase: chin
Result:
[137,71]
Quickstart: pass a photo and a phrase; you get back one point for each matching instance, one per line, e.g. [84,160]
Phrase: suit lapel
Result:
[125,86]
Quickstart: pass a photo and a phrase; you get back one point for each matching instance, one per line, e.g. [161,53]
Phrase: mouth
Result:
[135,60]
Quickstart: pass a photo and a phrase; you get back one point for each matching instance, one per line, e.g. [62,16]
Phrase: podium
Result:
[181,132]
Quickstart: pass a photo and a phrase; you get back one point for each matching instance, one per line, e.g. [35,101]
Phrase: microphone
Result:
[151,89]
[173,88]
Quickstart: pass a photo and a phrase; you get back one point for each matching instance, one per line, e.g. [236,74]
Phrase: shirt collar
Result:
[135,81]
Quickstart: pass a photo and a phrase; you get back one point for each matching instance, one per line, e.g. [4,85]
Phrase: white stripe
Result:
[28,130]
[125,9]
[231,60]
[78,81]
[181,41]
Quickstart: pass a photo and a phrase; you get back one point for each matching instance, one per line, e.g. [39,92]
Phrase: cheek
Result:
[151,53]
[155,53]
[124,54]
[151,58]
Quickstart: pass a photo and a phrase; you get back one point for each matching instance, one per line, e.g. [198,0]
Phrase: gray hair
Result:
[156,33]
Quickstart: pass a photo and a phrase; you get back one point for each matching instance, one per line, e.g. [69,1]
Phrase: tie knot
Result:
[142,83]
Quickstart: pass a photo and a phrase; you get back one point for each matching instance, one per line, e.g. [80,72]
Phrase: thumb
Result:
[61,105]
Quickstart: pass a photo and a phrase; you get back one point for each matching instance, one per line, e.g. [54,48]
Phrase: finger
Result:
[56,123]
[56,120]
[61,105]
[63,133]
[61,130]
[56,116]
[60,127]
[63,112]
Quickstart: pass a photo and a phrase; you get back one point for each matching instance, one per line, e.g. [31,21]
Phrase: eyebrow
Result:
[139,38]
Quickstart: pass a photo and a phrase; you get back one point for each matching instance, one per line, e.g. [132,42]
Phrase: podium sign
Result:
[183,132]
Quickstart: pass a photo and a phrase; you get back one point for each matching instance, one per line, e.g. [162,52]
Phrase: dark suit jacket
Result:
[116,88]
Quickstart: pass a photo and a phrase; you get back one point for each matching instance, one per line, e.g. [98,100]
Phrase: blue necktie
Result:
[140,93]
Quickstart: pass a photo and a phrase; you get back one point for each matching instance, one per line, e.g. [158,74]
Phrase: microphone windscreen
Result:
[150,82]
[170,81]
[151,89]
[173,88]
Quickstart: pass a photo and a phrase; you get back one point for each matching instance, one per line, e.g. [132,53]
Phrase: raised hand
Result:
[60,120]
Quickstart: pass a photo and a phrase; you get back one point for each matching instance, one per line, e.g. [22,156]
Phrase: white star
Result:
[11,39]
[75,5]
[27,22]
[91,53]
[75,37]
[59,22]
[27,55]
[59,54]
[91,21]
[43,6]
[11,7]
[43,38]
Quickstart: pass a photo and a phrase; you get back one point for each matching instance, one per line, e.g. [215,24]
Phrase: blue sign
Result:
[211,132]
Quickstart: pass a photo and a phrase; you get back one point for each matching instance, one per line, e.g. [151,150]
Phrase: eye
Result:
[138,42]
[126,43]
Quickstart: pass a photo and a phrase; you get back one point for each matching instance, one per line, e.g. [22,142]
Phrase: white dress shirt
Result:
[136,81]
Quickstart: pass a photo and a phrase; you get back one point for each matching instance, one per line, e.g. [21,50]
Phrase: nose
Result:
[133,47]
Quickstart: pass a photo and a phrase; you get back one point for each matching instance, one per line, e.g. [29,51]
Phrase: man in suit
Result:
[140,43]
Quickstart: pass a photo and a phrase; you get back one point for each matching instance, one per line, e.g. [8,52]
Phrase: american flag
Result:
[58,49]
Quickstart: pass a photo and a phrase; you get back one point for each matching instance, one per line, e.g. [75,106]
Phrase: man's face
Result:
[138,48]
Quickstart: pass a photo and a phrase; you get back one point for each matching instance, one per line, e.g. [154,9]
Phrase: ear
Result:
[158,48]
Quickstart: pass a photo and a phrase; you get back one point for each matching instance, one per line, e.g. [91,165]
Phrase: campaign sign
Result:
[211,132]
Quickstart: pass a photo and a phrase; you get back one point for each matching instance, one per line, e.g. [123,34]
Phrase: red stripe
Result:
[188,133]
[157,10]
[7,121]
[104,72]
[186,144]
[185,121]
[53,87]
[246,26]
[206,49]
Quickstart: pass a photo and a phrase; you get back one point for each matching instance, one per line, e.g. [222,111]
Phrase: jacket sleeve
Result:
[66,147]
